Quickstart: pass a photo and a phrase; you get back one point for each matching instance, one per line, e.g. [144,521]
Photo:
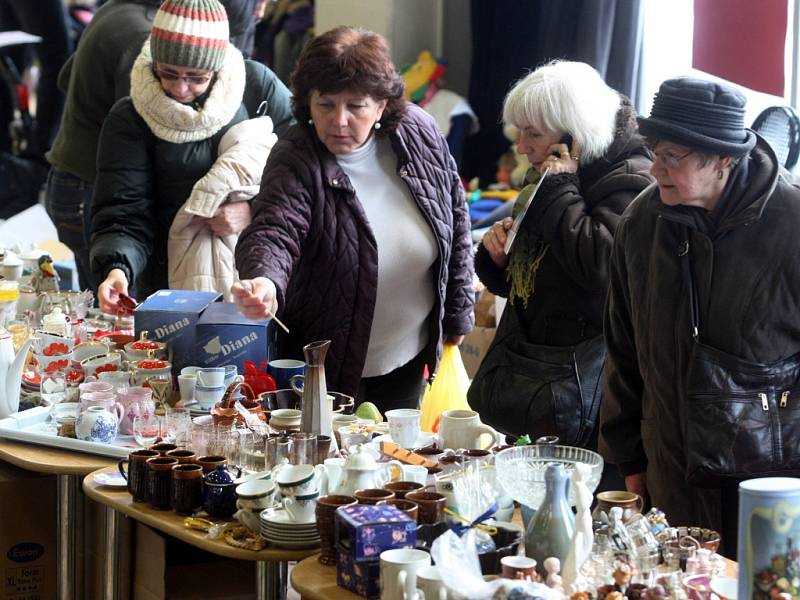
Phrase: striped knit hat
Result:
[191,34]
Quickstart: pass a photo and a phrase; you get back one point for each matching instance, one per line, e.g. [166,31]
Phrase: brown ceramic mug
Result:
[629,502]
[183,456]
[518,567]
[431,506]
[401,488]
[163,447]
[373,495]
[159,481]
[186,493]
[137,472]
[407,506]
[325,512]
[209,463]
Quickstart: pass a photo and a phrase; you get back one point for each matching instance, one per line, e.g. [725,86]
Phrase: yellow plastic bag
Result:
[448,391]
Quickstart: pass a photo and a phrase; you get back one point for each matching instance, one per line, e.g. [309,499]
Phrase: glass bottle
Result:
[550,531]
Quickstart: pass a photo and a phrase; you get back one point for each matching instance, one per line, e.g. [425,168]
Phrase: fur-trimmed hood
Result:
[175,122]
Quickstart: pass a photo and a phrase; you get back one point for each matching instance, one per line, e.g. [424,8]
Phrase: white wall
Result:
[410,26]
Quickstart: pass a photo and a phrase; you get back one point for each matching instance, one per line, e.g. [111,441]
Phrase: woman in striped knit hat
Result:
[189,88]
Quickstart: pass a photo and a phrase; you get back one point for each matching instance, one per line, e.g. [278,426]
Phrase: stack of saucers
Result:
[278,527]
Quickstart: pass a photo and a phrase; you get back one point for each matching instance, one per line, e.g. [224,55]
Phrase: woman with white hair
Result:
[541,376]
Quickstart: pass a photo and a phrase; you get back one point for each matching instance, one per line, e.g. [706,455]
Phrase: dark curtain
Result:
[510,38]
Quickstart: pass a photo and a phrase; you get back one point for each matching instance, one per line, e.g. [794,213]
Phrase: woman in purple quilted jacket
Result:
[360,233]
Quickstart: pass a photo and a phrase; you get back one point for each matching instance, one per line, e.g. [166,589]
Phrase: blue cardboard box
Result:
[171,316]
[362,577]
[365,530]
[226,337]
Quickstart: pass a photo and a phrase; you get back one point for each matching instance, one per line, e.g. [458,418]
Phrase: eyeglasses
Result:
[189,79]
[670,160]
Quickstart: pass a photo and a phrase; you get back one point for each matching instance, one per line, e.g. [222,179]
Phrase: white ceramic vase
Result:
[96,424]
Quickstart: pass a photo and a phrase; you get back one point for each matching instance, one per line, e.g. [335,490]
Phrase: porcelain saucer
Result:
[425,438]
[280,517]
[110,479]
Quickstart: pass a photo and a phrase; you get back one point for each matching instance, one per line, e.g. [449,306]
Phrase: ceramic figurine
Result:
[45,278]
[553,580]
[581,546]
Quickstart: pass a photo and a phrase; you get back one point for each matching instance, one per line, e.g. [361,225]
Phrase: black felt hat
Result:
[699,114]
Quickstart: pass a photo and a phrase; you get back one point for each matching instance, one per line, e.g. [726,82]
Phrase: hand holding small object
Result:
[252,305]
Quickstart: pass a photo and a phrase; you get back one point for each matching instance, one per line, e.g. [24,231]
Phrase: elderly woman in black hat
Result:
[701,321]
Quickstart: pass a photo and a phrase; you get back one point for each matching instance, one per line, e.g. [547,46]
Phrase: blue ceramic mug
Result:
[283,369]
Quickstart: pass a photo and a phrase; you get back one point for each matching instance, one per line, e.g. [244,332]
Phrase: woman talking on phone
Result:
[588,163]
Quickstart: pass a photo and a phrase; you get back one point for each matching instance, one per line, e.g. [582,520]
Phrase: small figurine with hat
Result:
[45,278]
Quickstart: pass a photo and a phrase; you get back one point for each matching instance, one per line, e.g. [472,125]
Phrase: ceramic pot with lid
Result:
[220,493]
[151,367]
[360,471]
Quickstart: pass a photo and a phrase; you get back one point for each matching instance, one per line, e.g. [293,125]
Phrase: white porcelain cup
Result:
[187,385]
[399,569]
[12,272]
[207,397]
[429,582]
[460,428]
[302,506]
[299,480]
[333,472]
[118,379]
[404,426]
[255,494]
[415,473]
[211,377]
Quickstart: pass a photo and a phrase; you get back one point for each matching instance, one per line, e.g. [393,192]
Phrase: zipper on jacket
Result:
[764,401]
[784,398]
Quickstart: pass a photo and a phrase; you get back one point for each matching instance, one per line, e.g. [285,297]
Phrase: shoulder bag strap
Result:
[685,253]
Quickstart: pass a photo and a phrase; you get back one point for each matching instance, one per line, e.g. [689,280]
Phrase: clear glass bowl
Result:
[520,470]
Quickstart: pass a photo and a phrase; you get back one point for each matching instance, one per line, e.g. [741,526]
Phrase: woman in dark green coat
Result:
[188,87]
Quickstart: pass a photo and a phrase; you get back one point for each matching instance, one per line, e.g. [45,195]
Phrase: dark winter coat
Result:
[576,215]
[311,237]
[143,180]
[745,258]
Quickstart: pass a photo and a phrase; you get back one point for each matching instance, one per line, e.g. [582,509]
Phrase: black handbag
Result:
[742,419]
[523,388]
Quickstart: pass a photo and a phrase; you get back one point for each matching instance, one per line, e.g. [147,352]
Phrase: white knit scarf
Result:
[174,122]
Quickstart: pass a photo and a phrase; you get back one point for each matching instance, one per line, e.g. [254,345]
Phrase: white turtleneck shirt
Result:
[407,251]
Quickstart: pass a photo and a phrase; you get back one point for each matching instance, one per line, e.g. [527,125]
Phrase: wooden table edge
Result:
[171,523]
[49,460]
[307,575]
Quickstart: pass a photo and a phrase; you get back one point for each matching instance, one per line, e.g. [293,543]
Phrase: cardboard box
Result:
[171,316]
[362,577]
[224,336]
[165,567]
[474,348]
[27,534]
[365,530]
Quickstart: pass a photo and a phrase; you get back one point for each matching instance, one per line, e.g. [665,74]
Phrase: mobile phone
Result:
[566,139]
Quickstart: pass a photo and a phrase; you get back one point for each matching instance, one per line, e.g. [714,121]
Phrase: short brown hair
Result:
[348,58]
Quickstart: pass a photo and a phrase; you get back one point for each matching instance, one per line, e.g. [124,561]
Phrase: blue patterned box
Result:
[171,316]
[364,530]
[224,336]
[362,577]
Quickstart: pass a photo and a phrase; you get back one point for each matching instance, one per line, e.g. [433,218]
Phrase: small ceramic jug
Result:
[96,424]
[137,402]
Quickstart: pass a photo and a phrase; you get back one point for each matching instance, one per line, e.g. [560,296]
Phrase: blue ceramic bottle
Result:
[550,531]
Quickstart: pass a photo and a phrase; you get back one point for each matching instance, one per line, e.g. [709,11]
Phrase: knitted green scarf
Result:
[529,249]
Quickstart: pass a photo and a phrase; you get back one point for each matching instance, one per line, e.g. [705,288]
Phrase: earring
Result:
[311,121]
[720,174]
[377,125]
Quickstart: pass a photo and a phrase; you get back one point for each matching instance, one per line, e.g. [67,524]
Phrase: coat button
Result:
[403,173]
[335,182]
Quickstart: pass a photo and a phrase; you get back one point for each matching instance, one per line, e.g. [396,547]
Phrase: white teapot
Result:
[360,471]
